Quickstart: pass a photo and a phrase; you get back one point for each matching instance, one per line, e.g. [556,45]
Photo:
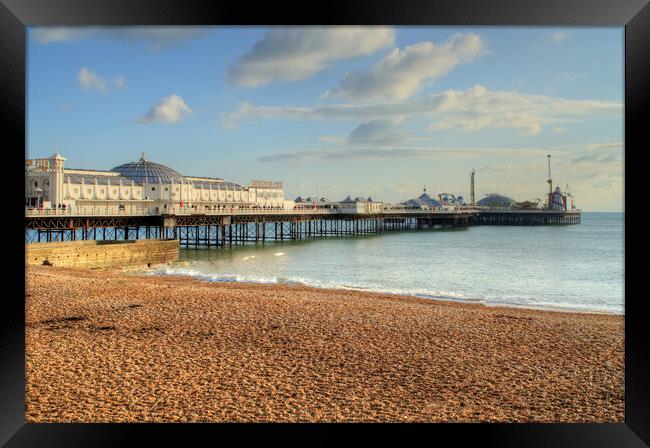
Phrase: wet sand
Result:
[105,346]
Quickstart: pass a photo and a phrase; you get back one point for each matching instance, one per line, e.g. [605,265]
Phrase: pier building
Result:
[422,202]
[494,200]
[140,187]
[357,205]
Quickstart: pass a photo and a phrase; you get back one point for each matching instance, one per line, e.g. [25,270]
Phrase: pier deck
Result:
[526,217]
[226,228]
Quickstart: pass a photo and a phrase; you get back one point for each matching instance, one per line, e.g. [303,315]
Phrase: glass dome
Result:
[496,200]
[144,171]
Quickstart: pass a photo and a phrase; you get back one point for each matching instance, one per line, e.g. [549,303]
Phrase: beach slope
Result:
[106,346]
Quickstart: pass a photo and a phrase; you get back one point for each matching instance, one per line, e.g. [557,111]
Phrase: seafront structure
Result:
[144,199]
[140,187]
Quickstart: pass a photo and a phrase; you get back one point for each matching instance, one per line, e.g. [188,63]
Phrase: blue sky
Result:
[330,111]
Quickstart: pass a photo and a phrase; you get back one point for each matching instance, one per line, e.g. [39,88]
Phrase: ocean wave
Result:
[559,306]
[188,270]
[239,278]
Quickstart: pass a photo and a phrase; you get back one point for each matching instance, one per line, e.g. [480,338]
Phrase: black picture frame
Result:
[634,15]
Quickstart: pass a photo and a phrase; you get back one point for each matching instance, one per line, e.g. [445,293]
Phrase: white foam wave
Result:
[421,293]
[212,277]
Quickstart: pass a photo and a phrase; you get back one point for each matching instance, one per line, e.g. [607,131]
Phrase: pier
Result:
[225,229]
[147,200]
[228,228]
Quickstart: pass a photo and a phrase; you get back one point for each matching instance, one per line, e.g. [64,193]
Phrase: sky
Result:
[337,111]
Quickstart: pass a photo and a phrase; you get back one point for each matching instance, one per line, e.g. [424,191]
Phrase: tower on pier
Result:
[550,183]
[471,187]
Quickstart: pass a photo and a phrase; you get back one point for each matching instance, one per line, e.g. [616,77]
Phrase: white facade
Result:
[142,187]
[346,206]
[360,206]
[44,184]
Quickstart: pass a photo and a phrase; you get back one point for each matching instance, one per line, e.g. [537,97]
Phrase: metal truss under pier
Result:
[225,231]
[228,230]
[526,217]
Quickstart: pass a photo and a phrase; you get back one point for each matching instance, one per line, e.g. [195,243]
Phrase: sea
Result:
[571,268]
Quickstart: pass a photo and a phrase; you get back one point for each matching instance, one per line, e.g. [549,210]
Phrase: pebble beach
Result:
[112,346]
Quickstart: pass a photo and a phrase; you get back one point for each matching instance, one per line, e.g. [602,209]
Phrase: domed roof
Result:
[423,201]
[496,200]
[429,201]
[144,171]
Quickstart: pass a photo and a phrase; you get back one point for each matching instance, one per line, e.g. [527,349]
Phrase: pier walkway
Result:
[225,227]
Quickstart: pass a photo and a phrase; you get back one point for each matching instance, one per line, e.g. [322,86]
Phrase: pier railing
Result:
[523,211]
[229,211]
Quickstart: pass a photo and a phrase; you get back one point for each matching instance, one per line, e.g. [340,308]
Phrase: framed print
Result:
[363,213]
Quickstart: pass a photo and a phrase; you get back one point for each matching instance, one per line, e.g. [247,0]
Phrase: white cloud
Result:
[49,35]
[470,110]
[120,82]
[479,109]
[613,145]
[402,73]
[598,159]
[558,37]
[153,37]
[170,109]
[377,132]
[89,80]
[397,152]
[290,54]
